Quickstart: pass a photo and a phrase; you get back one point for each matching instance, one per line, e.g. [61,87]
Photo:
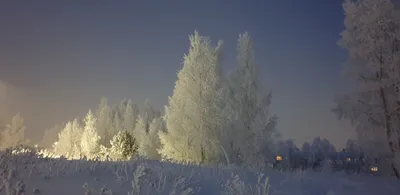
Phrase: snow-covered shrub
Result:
[20,150]
[88,190]
[235,186]
[8,172]
[137,180]
[123,146]
[121,172]
[45,153]
[150,180]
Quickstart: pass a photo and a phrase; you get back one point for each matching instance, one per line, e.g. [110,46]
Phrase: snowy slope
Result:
[62,177]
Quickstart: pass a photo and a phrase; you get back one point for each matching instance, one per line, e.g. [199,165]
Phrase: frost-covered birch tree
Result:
[117,124]
[104,122]
[130,116]
[140,131]
[50,136]
[252,128]
[90,138]
[64,145]
[371,37]
[14,133]
[193,116]
[148,114]
[150,142]
[69,140]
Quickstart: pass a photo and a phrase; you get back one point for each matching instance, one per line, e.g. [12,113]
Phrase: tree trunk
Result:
[388,128]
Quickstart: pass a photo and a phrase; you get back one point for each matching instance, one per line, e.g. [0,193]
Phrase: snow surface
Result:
[63,177]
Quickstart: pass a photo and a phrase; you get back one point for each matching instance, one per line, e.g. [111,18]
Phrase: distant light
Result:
[374,169]
[36,146]
[348,159]
[278,158]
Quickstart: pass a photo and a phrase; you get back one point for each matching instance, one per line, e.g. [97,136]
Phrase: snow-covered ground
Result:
[63,177]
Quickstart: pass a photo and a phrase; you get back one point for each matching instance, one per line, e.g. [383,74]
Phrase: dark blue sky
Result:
[64,56]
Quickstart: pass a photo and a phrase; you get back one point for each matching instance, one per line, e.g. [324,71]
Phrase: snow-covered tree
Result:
[251,129]
[118,117]
[50,136]
[149,142]
[121,107]
[372,142]
[286,147]
[78,130]
[306,147]
[371,37]
[130,116]
[90,138]
[123,146]
[118,124]
[69,140]
[147,115]
[140,131]
[352,146]
[104,122]
[320,149]
[14,133]
[193,116]
[64,145]
[322,146]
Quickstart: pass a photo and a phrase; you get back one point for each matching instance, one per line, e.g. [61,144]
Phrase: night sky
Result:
[60,58]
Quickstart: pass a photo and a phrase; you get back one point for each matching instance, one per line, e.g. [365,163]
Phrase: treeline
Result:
[211,118]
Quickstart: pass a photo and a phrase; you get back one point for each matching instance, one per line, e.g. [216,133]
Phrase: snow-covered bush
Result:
[123,146]
[45,153]
[235,186]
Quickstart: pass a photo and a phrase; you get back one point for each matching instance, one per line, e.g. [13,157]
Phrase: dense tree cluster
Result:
[211,118]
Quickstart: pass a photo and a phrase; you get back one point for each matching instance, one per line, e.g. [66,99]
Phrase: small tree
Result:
[123,146]
[69,140]
[140,131]
[150,142]
[130,116]
[64,145]
[14,133]
[50,136]
[90,138]
[104,121]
